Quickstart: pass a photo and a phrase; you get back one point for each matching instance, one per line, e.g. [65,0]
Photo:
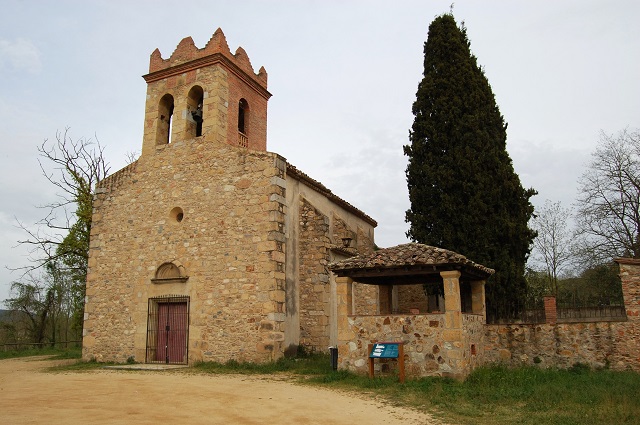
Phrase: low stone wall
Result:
[559,345]
[614,344]
[422,334]
[473,336]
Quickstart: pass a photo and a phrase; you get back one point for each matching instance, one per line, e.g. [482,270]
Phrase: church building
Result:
[209,247]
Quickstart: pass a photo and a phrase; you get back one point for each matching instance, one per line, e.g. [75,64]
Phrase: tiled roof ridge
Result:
[408,254]
[294,172]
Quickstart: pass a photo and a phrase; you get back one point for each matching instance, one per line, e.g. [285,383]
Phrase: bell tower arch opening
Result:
[243,115]
[213,91]
[165,118]
[195,104]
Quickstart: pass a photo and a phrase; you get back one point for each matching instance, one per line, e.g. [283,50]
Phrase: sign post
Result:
[387,350]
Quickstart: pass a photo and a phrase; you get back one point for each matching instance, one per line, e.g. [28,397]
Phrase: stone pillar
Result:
[344,293]
[452,304]
[630,280]
[550,311]
[452,333]
[478,298]
[627,343]
[394,299]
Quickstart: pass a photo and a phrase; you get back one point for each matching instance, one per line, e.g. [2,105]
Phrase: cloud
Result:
[552,169]
[20,55]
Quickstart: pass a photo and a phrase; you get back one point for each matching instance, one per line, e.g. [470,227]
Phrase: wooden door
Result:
[168,331]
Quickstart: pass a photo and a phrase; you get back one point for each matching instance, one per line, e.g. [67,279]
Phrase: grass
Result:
[306,365]
[55,353]
[529,395]
[490,395]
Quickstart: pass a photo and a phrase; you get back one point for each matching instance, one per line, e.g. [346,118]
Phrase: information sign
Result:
[384,350]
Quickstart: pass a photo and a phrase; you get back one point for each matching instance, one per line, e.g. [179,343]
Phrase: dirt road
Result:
[30,395]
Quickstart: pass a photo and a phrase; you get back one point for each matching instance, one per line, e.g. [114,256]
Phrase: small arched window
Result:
[243,113]
[195,103]
[165,117]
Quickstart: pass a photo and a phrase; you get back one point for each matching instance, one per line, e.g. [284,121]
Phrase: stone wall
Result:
[226,238]
[412,297]
[560,345]
[423,337]
[473,341]
[315,223]
[318,233]
[599,344]
[314,277]
[365,299]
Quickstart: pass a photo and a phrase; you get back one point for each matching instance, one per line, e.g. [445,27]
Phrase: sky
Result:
[343,75]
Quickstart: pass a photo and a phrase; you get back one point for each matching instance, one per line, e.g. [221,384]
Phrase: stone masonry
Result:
[223,241]
[614,344]
[209,247]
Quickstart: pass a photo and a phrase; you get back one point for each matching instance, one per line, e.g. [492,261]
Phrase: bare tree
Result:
[77,166]
[35,301]
[132,156]
[59,245]
[608,205]
[553,245]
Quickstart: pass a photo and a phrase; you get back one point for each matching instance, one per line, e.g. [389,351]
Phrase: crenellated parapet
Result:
[209,92]
[187,56]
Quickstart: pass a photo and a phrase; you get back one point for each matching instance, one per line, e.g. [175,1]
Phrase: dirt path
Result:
[28,395]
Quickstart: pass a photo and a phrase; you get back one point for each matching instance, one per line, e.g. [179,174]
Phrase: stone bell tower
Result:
[209,93]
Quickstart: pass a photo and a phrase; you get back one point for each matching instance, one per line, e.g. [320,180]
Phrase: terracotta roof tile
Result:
[410,254]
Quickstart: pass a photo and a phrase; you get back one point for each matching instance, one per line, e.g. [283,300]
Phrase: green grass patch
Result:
[530,395]
[74,353]
[311,364]
[79,366]
[490,395]
[55,353]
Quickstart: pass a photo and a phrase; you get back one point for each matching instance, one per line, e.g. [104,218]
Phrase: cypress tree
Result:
[465,195]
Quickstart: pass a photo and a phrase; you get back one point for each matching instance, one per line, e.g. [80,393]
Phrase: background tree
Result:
[538,287]
[554,241]
[35,302]
[597,285]
[60,242]
[608,205]
[464,193]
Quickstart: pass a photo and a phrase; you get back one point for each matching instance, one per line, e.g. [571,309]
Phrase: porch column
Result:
[478,298]
[452,334]
[344,292]
[452,304]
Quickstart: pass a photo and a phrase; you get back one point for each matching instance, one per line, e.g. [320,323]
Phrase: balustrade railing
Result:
[243,140]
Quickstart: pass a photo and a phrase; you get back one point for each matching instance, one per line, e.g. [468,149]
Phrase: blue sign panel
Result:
[384,350]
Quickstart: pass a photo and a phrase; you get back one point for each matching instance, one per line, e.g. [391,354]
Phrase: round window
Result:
[177,214]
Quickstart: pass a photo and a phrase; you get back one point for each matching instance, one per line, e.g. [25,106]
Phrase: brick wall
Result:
[224,79]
